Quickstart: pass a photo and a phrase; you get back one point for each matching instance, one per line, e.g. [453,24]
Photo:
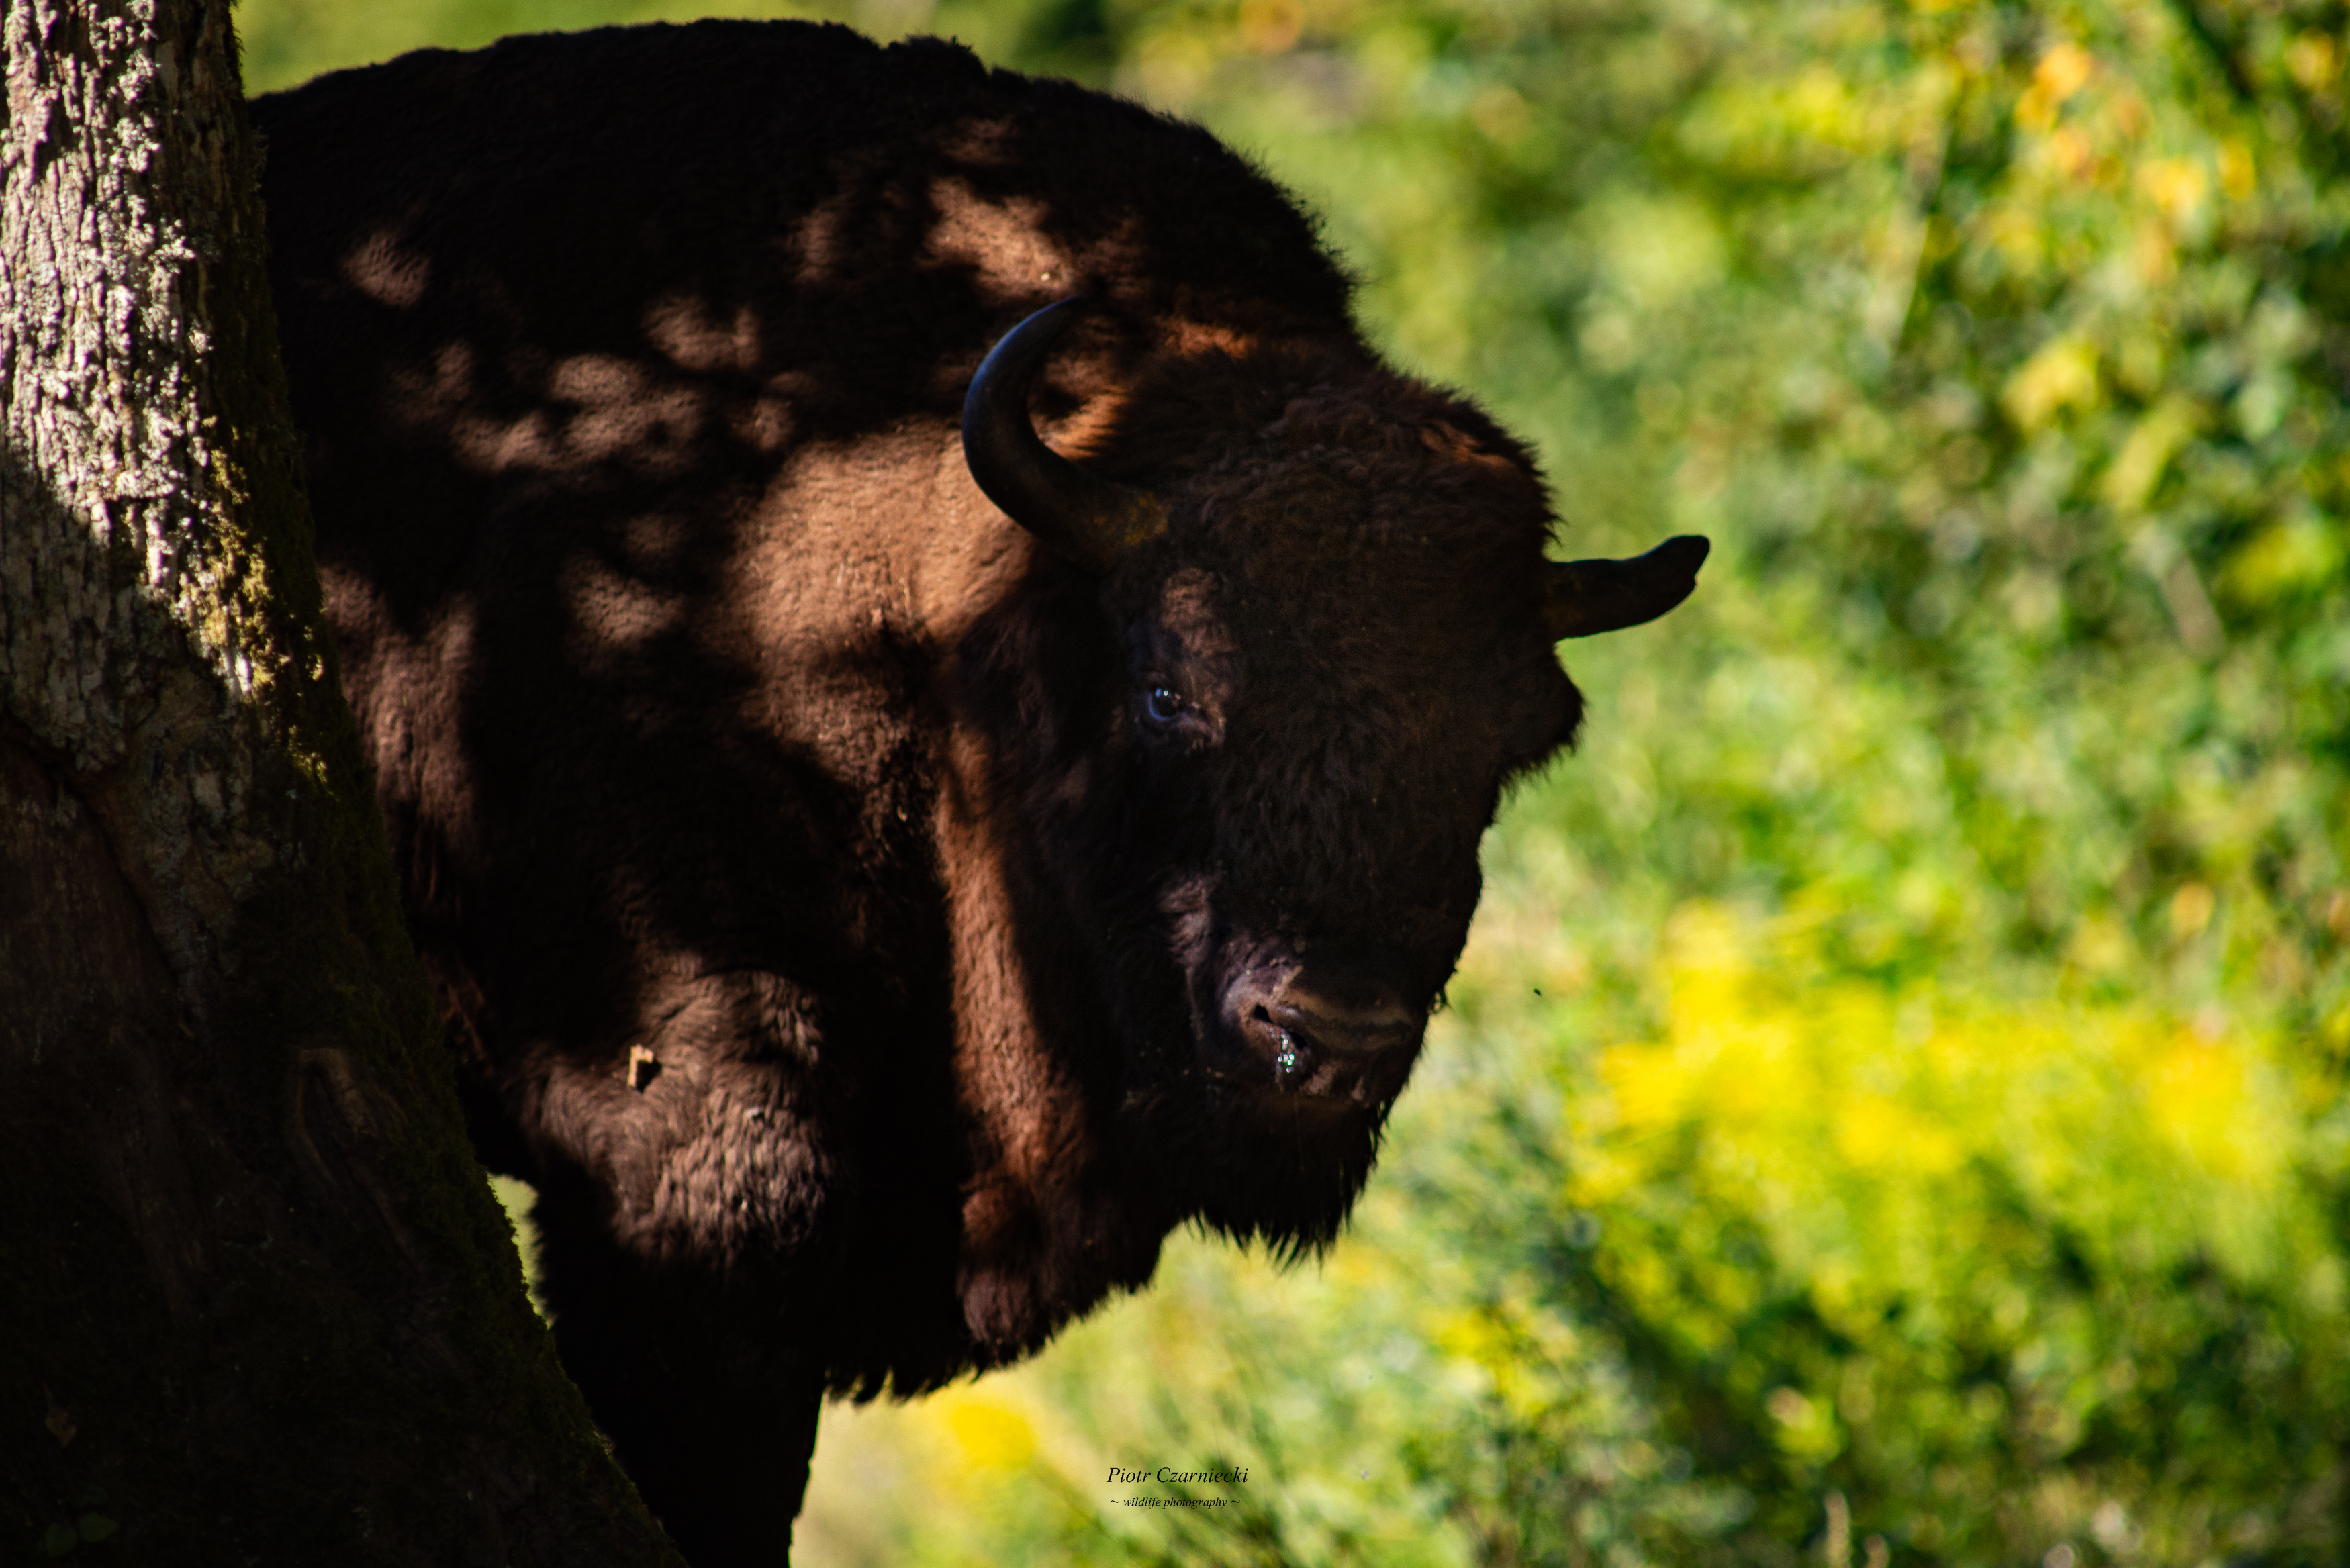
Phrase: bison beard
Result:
[880,874]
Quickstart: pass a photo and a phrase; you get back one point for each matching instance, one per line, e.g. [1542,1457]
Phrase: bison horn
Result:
[1586,598]
[1091,520]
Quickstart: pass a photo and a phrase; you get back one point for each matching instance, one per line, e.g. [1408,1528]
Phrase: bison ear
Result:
[1584,598]
[1090,520]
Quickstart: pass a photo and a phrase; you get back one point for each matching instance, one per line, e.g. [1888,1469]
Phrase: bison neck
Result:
[1056,1213]
[1052,1211]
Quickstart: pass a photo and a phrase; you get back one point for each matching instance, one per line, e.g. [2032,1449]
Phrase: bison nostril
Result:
[1290,1063]
[1300,1033]
[1289,1050]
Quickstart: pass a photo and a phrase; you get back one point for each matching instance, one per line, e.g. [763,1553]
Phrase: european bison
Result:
[882,875]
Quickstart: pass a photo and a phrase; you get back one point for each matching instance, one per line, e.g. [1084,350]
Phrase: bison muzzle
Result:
[883,867]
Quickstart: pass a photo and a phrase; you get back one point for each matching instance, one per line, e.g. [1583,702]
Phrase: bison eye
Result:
[1165,706]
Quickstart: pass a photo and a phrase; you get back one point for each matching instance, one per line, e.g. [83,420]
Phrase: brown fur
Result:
[824,926]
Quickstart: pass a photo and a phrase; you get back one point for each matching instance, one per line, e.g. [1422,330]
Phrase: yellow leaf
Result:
[2062,375]
[2236,172]
[2063,70]
[2061,73]
[991,1434]
[2177,186]
[2152,442]
[2201,1096]
[1875,1132]
[2296,553]
[2315,59]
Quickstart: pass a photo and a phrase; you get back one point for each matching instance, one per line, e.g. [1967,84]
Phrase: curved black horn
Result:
[1586,598]
[1090,520]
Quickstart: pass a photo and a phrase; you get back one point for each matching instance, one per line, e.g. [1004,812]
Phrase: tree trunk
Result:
[257,1302]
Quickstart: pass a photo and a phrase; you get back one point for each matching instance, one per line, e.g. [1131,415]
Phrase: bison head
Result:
[1268,694]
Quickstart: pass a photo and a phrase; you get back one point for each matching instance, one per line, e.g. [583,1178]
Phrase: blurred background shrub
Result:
[1891,1108]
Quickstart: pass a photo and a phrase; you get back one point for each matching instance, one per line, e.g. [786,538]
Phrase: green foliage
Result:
[1892,1103]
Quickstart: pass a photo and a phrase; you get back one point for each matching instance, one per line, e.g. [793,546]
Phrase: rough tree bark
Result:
[256,1303]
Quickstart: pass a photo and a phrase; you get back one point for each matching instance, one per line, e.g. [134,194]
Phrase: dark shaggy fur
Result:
[869,931]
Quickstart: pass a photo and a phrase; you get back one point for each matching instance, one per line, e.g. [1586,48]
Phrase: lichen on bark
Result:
[129,480]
